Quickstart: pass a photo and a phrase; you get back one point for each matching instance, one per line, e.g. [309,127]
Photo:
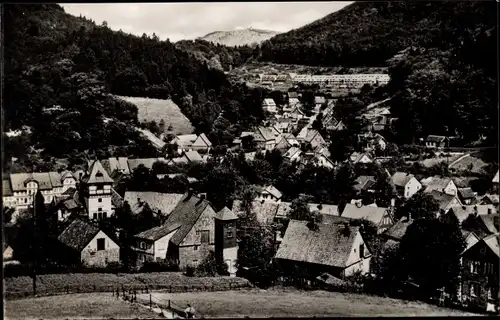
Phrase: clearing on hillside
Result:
[76,306]
[157,109]
[294,303]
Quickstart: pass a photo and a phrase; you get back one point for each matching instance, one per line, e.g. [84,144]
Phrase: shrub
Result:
[159,266]
[189,271]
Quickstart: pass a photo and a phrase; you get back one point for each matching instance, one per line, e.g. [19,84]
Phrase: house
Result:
[293,154]
[479,281]
[495,182]
[187,237]
[119,164]
[406,184]
[357,157]
[89,245]
[312,137]
[286,141]
[186,158]
[67,207]
[466,195]
[160,203]
[482,225]
[97,192]
[446,201]
[324,209]
[285,125]
[269,193]
[470,239]
[334,125]
[398,230]
[265,211]
[265,138]
[295,113]
[269,105]
[435,183]
[490,199]
[184,142]
[381,217]
[335,248]
[19,189]
[201,144]
[434,141]
[321,160]
[364,184]
[318,102]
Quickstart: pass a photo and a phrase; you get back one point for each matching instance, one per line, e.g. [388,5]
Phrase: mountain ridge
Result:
[238,37]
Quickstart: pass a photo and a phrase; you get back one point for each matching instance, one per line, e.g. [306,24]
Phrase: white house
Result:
[269,105]
[98,192]
[293,154]
[201,144]
[406,184]
[19,189]
[357,157]
[445,185]
[90,245]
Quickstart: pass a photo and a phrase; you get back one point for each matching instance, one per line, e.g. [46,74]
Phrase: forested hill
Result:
[60,70]
[369,33]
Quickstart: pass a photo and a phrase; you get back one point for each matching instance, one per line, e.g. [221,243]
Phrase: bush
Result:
[209,267]
[189,271]
[159,266]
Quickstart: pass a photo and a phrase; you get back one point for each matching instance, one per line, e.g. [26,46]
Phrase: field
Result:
[278,303]
[52,284]
[76,306]
[157,109]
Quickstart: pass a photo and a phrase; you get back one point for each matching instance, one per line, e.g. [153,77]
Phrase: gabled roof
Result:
[400,179]
[271,190]
[466,193]
[373,214]
[165,202]
[193,156]
[356,157]
[269,102]
[492,242]
[116,199]
[495,178]
[325,209]
[97,174]
[202,141]
[45,180]
[265,212]
[292,152]
[364,182]
[6,189]
[329,245]
[435,138]
[78,234]
[186,213]
[119,164]
[147,162]
[489,222]
[226,214]
[398,230]
[159,232]
[435,183]
[266,133]
[442,198]
[491,198]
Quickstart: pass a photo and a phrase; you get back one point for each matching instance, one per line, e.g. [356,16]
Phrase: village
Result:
[188,228]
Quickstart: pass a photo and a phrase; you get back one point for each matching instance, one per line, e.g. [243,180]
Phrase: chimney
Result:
[475,211]
[359,204]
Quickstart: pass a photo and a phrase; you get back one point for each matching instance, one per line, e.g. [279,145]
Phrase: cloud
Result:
[178,21]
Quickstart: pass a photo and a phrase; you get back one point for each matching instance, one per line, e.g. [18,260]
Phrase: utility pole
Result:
[34,251]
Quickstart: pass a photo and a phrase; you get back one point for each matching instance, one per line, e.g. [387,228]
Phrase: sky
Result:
[178,21]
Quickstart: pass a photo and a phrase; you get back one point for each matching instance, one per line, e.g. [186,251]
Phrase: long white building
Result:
[348,80]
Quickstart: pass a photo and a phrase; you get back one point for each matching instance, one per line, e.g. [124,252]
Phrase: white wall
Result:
[230,256]
[354,261]
[412,187]
[451,188]
[161,245]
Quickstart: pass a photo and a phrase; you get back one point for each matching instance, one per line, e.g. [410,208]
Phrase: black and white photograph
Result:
[183,160]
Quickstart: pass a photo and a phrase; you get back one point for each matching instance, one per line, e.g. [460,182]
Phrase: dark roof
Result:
[6,189]
[466,193]
[116,199]
[373,214]
[400,179]
[434,138]
[78,234]
[489,222]
[442,198]
[329,245]
[186,214]
[69,192]
[398,230]
[364,182]
[165,202]
[159,232]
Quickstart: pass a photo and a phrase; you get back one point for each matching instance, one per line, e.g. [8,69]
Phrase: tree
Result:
[7,214]
[431,251]
[419,206]
[300,209]
[210,267]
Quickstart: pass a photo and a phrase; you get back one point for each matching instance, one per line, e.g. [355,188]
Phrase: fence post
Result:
[169,303]
[150,302]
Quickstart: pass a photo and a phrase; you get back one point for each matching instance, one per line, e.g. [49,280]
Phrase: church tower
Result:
[97,192]
[226,246]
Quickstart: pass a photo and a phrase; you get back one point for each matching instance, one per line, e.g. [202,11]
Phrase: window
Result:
[94,216]
[104,215]
[100,244]
[99,209]
[99,175]
[195,248]
[229,233]
[25,200]
[361,250]
[143,245]
[205,236]
[195,262]
[99,200]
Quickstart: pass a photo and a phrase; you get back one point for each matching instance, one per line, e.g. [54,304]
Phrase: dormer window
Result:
[99,175]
